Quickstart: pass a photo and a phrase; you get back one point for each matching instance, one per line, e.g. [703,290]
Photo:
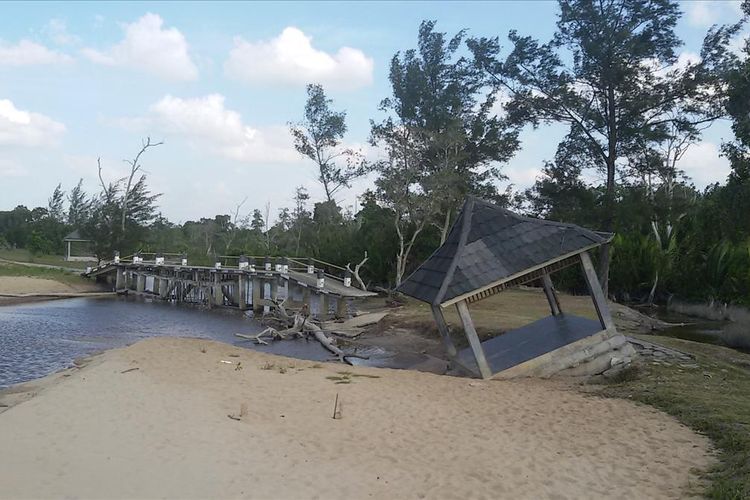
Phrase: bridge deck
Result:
[332,286]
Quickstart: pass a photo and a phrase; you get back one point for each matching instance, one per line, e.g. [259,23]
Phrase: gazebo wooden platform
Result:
[490,249]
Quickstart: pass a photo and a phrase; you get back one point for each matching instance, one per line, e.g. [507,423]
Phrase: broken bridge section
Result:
[234,281]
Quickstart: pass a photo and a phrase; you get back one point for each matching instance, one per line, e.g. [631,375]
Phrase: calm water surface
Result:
[40,338]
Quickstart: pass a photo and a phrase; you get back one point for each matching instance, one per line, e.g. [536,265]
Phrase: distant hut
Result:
[78,248]
[490,249]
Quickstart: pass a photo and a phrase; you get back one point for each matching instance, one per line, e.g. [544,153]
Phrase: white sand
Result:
[25,284]
[163,432]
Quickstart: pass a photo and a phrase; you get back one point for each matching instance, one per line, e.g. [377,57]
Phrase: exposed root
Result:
[298,325]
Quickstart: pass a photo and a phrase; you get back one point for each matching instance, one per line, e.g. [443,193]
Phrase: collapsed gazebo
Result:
[490,249]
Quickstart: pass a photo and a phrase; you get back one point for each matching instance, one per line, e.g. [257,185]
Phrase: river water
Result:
[39,338]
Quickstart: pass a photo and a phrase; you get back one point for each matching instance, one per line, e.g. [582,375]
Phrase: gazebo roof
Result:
[488,246]
[75,236]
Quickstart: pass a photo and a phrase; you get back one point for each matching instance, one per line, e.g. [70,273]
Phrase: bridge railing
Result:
[299,264]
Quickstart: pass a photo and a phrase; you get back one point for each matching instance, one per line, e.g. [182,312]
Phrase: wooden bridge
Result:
[242,282]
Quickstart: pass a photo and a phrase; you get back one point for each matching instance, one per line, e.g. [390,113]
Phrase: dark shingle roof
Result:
[488,244]
[75,235]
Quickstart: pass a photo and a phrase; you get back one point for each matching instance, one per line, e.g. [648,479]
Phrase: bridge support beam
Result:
[242,291]
[257,294]
[165,288]
[218,295]
[341,308]
[325,304]
[157,285]
[121,279]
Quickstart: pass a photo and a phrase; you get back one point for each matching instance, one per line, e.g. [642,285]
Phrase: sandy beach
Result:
[152,421]
[15,289]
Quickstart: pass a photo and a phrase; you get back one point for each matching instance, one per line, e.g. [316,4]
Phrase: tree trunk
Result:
[609,197]
[446,226]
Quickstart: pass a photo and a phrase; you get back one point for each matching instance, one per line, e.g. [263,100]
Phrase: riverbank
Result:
[186,418]
[710,394]
[25,283]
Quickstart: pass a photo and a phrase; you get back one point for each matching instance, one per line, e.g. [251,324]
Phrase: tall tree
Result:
[319,137]
[444,101]
[610,74]
[135,167]
[300,216]
[78,206]
[55,209]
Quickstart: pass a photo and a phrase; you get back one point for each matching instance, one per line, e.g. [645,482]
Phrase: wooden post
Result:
[242,291]
[257,292]
[324,305]
[549,291]
[217,293]
[121,279]
[471,335]
[597,295]
[450,348]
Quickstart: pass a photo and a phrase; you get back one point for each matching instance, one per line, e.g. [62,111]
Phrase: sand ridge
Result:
[163,431]
[26,284]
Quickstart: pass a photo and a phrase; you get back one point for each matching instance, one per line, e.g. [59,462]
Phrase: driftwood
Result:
[298,325]
[355,272]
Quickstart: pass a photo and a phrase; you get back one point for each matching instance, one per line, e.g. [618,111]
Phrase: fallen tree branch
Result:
[299,325]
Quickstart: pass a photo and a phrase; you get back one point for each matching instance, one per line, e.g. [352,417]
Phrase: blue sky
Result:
[218,82]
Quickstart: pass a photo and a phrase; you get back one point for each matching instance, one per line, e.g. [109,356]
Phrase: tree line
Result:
[611,75]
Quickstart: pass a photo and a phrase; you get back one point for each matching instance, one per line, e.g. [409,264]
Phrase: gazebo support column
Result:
[549,291]
[597,295]
[437,313]
[471,335]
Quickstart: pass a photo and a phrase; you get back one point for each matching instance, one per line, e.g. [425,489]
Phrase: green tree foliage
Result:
[319,137]
[55,204]
[79,206]
[610,74]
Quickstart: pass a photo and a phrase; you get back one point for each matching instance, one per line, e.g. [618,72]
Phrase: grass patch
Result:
[41,272]
[713,399]
[361,375]
[22,255]
[346,377]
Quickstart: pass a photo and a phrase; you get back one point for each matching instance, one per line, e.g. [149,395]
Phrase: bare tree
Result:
[237,223]
[135,166]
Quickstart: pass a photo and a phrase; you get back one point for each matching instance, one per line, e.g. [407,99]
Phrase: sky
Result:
[220,82]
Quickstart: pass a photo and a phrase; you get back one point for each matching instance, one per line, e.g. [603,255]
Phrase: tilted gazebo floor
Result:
[530,341]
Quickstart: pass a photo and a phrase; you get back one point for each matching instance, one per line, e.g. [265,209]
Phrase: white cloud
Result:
[9,168]
[150,47]
[27,53]
[205,122]
[57,31]
[290,58]
[704,164]
[704,13]
[24,128]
